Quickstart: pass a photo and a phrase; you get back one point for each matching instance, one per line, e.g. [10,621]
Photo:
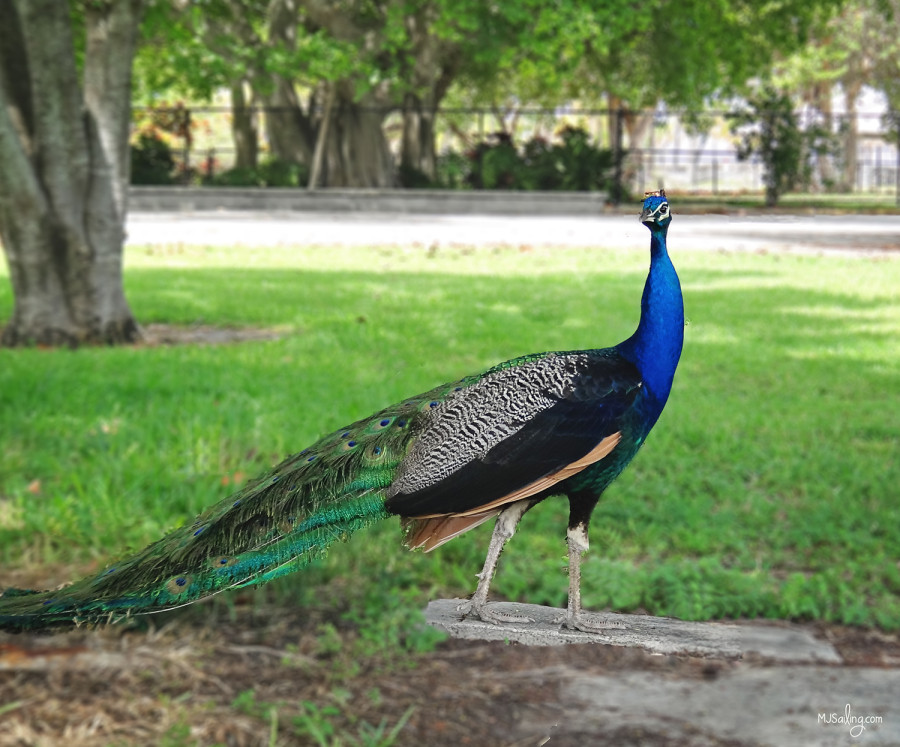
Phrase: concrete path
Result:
[826,233]
[795,705]
[763,684]
[659,635]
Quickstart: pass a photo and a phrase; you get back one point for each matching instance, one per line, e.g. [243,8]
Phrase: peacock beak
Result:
[645,215]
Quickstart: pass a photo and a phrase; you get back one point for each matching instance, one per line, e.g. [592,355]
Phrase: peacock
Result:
[491,445]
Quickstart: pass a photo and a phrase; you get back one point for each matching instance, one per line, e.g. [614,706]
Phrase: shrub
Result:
[582,166]
[496,163]
[277,173]
[412,178]
[272,172]
[452,170]
[151,161]
[768,128]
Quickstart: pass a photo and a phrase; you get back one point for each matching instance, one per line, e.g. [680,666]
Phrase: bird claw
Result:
[588,622]
[493,616]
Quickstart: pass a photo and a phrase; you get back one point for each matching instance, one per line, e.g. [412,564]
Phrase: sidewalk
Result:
[872,234]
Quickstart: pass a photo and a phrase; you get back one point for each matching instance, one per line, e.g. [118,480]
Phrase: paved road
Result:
[870,233]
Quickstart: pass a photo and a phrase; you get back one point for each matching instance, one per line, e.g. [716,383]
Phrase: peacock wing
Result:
[518,430]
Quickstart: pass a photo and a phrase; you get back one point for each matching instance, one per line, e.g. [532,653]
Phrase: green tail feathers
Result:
[153,580]
[274,526]
[194,562]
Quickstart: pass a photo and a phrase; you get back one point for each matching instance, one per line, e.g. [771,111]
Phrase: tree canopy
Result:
[329,74]
[406,55]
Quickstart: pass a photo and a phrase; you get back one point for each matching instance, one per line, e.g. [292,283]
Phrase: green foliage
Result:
[769,128]
[858,46]
[412,178]
[573,164]
[497,164]
[271,172]
[679,53]
[767,488]
[891,123]
[330,725]
[389,618]
[152,161]
[452,170]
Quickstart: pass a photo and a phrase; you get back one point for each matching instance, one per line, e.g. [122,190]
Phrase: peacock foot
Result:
[588,622]
[489,615]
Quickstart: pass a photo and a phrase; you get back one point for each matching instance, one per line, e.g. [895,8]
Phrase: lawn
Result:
[768,488]
[884,203]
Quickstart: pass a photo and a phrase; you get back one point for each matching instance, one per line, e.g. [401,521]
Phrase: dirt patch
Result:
[204,334]
[237,677]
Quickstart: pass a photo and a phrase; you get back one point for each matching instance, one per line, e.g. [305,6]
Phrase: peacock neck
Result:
[656,345]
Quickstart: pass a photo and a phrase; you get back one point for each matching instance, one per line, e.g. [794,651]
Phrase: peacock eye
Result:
[663,209]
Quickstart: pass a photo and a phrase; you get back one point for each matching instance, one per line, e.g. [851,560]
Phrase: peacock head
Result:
[656,214]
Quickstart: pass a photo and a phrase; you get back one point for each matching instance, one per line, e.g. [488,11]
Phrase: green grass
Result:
[769,487]
[842,202]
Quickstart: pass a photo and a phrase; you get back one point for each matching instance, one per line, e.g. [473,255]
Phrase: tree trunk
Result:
[851,135]
[637,124]
[291,136]
[820,98]
[417,144]
[321,138]
[356,150]
[244,129]
[63,184]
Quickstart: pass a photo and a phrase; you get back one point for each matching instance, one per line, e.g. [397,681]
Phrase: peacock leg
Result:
[576,618]
[504,529]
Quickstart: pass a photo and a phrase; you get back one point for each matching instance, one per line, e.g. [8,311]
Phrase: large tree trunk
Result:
[356,150]
[244,128]
[437,62]
[291,136]
[64,179]
[637,124]
[820,98]
[417,144]
[851,134]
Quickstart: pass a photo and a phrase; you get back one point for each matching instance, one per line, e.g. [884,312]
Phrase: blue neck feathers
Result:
[656,345]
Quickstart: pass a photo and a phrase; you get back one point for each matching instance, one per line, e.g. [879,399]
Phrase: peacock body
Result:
[489,445]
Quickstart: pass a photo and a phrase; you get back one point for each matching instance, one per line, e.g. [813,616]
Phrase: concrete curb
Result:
[660,635]
[397,201]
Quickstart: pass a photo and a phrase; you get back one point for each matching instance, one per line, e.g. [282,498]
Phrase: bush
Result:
[152,161]
[452,170]
[412,178]
[768,128]
[272,172]
[495,163]
[277,173]
[582,166]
